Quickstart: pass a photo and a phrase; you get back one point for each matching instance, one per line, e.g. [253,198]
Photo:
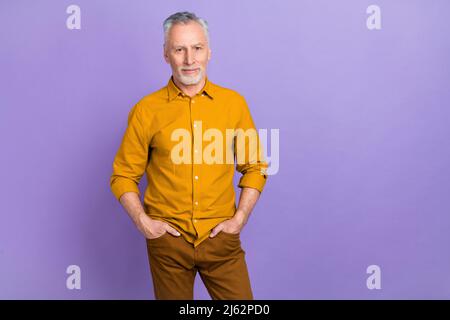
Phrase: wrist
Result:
[240,217]
[139,217]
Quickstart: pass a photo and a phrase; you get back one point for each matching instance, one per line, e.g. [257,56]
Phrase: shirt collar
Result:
[173,91]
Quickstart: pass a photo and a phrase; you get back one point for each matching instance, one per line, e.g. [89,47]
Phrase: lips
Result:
[189,71]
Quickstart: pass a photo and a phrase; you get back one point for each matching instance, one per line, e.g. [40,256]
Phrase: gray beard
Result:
[191,80]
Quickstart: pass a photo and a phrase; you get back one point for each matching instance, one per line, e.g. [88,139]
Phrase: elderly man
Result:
[189,217]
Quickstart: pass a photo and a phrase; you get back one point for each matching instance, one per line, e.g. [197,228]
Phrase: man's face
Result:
[187,51]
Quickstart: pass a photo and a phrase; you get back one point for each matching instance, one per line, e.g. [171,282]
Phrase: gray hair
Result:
[184,18]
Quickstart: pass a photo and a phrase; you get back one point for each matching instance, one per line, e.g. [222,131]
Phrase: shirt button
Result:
[195,220]
[193,101]
[196,203]
[195,150]
[196,177]
[195,125]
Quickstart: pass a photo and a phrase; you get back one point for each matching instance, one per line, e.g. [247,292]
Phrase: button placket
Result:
[194,169]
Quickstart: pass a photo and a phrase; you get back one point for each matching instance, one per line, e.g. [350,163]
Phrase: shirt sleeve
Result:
[248,150]
[131,159]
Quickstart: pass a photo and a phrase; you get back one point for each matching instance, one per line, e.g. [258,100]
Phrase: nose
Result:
[189,57]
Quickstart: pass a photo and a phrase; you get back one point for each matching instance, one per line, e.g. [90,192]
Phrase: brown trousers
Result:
[174,263]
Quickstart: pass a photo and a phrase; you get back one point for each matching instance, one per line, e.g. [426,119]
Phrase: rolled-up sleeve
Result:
[249,155]
[131,159]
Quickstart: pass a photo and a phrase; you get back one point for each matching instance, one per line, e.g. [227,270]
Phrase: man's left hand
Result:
[233,225]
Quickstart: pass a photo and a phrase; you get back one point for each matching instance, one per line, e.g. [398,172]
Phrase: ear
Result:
[166,56]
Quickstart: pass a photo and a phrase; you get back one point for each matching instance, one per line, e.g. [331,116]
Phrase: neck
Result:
[190,90]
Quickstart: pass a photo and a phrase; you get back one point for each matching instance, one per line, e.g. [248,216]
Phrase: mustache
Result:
[189,69]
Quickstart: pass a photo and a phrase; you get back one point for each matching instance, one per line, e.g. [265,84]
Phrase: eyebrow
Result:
[194,45]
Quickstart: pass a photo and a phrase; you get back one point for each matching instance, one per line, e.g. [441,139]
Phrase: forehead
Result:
[186,34]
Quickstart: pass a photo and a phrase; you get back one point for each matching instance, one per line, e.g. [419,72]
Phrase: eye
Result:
[178,50]
[198,48]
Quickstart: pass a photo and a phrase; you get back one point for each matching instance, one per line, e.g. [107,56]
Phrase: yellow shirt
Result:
[195,195]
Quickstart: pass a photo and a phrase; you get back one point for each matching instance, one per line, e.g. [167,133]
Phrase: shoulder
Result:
[150,103]
[152,99]
[224,92]
[231,97]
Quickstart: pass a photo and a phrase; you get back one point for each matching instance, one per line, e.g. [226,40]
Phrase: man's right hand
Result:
[152,228]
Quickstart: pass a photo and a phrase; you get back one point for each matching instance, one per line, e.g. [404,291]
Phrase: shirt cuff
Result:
[253,180]
[122,185]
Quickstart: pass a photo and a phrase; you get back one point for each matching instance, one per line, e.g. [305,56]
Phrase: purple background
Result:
[364,143]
